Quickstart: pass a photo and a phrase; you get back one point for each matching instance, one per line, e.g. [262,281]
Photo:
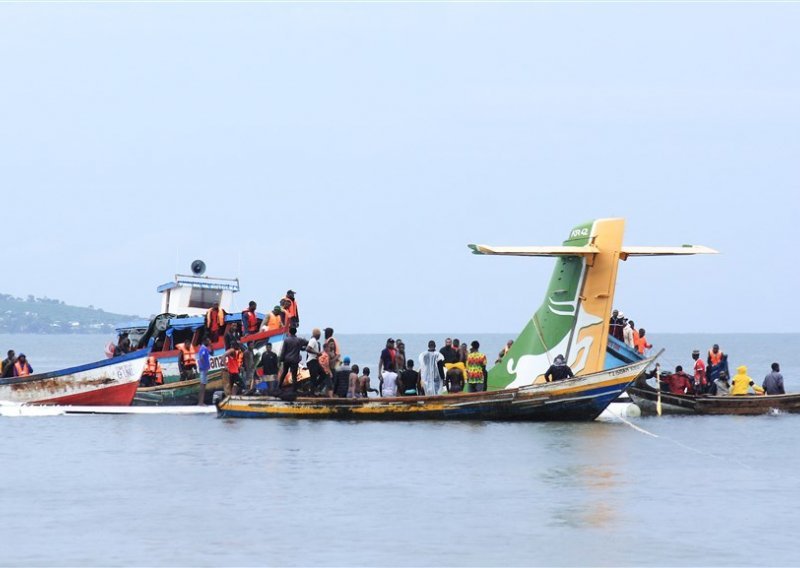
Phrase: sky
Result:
[351,151]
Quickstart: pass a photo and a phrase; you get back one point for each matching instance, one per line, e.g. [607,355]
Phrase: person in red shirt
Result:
[700,383]
[678,382]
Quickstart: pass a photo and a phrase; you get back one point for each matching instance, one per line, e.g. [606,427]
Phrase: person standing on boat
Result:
[22,368]
[204,366]
[400,356]
[742,383]
[186,360]
[629,334]
[476,368]
[250,321]
[249,367]
[7,369]
[430,369]
[232,335]
[409,382]
[274,320]
[387,365]
[559,370]
[269,367]
[615,325]
[291,355]
[641,343]
[233,362]
[314,349]
[717,363]
[341,379]
[292,313]
[773,383]
[215,321]
[333,349]
[700,384]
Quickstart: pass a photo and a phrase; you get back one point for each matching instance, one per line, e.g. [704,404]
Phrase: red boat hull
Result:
[118,395]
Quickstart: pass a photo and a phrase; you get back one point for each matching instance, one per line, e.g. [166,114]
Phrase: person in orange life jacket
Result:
[641,343]
[7,369]
[204,365]
[700,383]
[153,374]
[187,364]
[274,320]
[234,359]
[215,321]
[250,319]
[717,362]
[22,368]
[291,309]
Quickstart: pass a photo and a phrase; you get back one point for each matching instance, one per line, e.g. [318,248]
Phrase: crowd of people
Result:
[624,330]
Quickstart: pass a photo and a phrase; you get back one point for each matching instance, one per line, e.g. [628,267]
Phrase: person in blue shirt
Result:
[203,366]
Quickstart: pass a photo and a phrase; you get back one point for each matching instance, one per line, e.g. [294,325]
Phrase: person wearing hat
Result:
[292,314]
[559,370]
[700,384]
[341,378]
[22,368]
[615,325]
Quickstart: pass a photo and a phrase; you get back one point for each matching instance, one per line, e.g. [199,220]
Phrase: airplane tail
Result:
[573,319]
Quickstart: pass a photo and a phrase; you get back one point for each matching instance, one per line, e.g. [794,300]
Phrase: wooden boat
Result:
[111,382]
[645,397]
[575,399]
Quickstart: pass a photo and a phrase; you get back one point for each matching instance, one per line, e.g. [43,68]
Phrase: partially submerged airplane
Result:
[572,321]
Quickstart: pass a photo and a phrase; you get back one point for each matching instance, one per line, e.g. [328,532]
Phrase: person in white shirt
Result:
[429,369]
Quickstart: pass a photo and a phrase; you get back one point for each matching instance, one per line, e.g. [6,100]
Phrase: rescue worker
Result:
[742,383]
[292,314]
[559,370]
[187,364]
[22,368]
[250,319]
[153,374]
[274,320]
[678,382]
[641,343]
[215,321]
[717,362]
[234,359]
[700,385]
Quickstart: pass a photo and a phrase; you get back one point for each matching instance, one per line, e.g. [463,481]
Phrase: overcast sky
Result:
[351,151]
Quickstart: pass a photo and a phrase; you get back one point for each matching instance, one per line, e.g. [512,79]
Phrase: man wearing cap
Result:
[292,314]
[700,385]
[341,378]
[615,325]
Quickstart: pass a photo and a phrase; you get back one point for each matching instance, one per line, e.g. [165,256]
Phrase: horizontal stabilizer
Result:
[535,251]
[665,251]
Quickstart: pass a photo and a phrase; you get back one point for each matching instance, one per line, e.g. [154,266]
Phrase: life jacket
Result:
[291,311]
[217,322]
[22,370]
[715,358]
[188,355]
[274,321]
[234,362]
[249,321]
[153,369]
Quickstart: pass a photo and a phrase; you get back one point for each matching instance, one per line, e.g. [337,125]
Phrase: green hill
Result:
[45,315]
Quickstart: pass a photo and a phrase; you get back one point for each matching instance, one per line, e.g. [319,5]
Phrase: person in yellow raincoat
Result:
[742,383]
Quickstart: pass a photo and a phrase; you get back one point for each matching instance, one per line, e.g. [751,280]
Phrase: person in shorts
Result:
[203,366]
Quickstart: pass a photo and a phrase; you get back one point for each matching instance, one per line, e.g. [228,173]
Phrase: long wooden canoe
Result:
[575,399]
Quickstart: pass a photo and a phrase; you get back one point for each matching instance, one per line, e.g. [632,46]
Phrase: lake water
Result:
[196,490]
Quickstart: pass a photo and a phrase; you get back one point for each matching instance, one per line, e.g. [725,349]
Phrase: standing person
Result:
[641,343]
[274,320]
[615,325]
[773,382]
[352,389]
[717,363]
[409,383]
[333,349]
[203,366]
[250,321]
[430,369]
[341,379]
[292,313]
[386,363]
[291,354]
[22,368]
[249,367]
[314,349]
[233,361]
[232,335]
[629,334]
[558,371]
[449,356]
[476,368]
[7,369]
[187,364]
[364,385]
[700,385]
[215,321]
[400,356]
[269,367]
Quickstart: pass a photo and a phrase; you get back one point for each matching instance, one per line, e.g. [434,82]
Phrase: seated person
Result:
[559,370]
[678,382]
[742,383]
[187,362]
[410,383]
[153,374]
